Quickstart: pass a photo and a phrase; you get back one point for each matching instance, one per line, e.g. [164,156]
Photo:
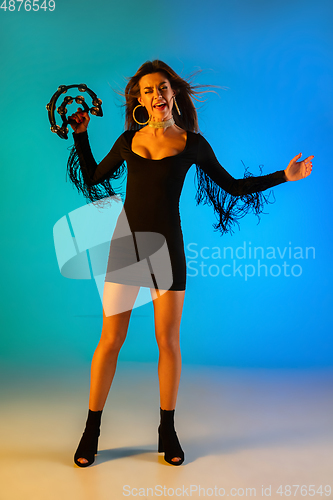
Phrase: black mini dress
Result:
[147,247]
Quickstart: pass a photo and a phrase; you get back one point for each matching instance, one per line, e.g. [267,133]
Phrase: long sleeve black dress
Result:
[147,247]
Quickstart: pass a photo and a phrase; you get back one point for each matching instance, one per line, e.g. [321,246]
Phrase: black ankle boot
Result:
[88,445]
[167,438]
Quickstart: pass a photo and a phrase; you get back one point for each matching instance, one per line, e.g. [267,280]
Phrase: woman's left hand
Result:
[297,170]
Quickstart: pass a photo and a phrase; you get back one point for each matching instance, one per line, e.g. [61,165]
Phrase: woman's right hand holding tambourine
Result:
[79,121]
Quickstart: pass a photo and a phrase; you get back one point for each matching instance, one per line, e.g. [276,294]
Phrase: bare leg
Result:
[116,297]
[168,309]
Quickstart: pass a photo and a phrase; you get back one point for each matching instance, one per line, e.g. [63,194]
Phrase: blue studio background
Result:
[274,62]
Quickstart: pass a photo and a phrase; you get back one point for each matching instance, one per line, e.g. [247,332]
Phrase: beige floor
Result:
[239,429]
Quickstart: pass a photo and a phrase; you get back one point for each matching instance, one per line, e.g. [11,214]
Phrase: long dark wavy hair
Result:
[185,93]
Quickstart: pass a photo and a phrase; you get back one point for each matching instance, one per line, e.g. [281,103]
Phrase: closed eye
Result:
[147,91]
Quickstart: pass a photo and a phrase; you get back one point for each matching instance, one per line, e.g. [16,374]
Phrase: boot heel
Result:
[160,443]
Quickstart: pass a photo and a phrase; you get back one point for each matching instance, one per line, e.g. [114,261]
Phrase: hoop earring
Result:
[138,106]
[177,108]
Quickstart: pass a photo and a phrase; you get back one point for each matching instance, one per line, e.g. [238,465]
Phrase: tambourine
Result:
[96,108]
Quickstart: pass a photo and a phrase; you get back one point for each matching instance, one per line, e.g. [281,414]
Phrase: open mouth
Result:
[160,105]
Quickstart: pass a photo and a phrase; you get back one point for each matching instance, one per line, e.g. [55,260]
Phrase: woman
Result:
[159,146]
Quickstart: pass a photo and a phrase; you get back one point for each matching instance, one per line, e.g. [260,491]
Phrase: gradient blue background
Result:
[275,61]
